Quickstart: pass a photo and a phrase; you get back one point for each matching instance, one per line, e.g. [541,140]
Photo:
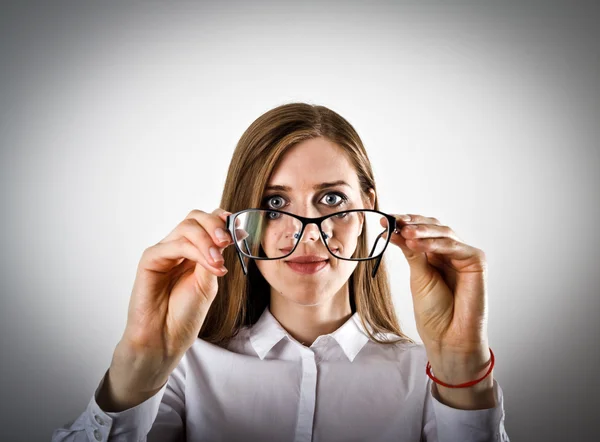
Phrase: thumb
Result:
[417,261]
[207,283]
[421,271]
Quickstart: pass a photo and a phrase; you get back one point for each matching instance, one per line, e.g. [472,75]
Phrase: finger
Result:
[416,260]
[223,214]
[416,219]
[403,220]
[413,231]
[448,247]
[163,256]
[211,223]
[241,234]
[197,235]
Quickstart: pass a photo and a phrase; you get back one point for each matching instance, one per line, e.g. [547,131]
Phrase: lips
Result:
[306,264]
[308,259]
[307,268]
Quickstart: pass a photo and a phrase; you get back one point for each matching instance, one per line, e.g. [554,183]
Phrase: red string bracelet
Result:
[466,384]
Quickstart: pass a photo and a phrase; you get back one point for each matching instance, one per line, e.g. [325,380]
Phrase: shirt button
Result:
[97,434]
[99,419]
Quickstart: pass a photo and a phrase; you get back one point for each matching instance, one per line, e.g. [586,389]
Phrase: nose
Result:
[311,233]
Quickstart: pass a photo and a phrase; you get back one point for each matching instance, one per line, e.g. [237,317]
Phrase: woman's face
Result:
[297,186]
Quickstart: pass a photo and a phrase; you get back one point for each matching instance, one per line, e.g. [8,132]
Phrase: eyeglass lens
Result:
[349,235]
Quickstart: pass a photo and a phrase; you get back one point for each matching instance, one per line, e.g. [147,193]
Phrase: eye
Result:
[331,200]
[275,201]
[273,215]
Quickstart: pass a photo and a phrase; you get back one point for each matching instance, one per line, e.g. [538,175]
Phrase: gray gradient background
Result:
[117,119]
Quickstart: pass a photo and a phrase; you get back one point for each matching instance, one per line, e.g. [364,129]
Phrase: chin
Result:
[305,290]
[306,297]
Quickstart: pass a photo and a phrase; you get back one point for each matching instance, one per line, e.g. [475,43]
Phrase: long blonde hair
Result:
[241,299]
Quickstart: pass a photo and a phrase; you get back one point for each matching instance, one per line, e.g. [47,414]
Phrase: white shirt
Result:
[266,386]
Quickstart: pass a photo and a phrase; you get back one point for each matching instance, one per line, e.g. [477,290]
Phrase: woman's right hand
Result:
[175,284]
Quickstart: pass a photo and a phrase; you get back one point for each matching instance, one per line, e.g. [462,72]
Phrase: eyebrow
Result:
[315,187]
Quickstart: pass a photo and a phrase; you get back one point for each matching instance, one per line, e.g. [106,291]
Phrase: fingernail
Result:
[216,256]
[221,234]
[404,217]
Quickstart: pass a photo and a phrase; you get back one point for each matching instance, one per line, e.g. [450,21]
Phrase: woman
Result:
[285,336]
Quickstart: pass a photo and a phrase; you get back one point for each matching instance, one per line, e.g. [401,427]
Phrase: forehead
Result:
[311,162]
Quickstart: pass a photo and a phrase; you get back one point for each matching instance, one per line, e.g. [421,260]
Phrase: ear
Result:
[370,204]
[372,198]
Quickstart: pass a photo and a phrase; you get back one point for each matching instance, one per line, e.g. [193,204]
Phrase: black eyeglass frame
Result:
[230,224]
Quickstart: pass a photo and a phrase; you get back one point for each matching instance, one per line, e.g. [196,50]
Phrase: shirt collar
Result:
[267,332]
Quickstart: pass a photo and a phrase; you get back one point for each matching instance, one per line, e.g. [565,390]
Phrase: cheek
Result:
[270,270]
[345,268]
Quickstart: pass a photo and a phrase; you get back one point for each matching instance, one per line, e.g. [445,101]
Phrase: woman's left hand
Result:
[448,285]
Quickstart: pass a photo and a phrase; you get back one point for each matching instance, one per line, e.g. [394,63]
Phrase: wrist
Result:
[476,397]
[139,371]
[456,368]
[115,396]
[132,378]
[469,377]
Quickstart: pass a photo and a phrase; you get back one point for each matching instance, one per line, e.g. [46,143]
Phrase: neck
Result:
[306,323]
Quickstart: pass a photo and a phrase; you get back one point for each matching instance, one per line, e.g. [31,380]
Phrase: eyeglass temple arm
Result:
[375,244]
[239,254]
[392,222]
[374,272]
[376,266]
[244,268]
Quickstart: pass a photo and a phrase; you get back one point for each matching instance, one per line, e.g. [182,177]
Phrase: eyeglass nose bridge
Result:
[323,235]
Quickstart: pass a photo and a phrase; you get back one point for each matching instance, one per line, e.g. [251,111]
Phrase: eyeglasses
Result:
[350,235]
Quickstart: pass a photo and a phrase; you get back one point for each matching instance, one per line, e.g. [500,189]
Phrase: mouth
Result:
[306,265]
[307,268]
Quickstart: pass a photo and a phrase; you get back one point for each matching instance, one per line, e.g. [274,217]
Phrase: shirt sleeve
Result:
[445,424]
[159,418]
